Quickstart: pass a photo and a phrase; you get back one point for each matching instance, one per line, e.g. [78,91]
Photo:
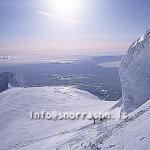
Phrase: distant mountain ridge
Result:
[102,59]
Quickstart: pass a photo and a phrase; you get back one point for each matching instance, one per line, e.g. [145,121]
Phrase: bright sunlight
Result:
[66,8]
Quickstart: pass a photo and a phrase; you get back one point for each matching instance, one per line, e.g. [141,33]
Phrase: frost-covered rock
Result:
[4,80]
[135,73]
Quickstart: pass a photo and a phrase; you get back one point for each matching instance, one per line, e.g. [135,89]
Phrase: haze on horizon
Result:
[52,27]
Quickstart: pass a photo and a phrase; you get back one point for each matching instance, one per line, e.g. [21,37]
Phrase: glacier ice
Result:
[134,72]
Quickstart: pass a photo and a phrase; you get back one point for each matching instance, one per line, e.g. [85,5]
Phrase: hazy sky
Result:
[71,26]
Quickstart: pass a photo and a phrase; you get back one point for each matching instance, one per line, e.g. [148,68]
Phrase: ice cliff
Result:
[134,72]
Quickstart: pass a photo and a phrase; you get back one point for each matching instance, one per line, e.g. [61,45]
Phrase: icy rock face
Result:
[134,72]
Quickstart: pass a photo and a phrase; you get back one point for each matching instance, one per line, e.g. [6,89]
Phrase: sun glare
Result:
[66,8]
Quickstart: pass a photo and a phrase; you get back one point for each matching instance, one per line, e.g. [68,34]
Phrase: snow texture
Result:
[135,73]
[133,133]
[17,130]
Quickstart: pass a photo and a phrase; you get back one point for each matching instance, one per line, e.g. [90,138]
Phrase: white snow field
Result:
[132,133]
[17,130]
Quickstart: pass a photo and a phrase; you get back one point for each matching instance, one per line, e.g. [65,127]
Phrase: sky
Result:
[74,27]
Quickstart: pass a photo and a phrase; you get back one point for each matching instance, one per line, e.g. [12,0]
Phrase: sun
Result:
[66,8]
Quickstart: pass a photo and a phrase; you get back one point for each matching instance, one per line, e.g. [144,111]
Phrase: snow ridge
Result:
[134,72]
[136,48]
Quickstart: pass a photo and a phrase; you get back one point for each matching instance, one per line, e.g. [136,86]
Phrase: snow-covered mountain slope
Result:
[133,133]
[135,73]
[17,130]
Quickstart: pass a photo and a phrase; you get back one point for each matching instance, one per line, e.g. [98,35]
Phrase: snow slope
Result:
[134,134]
[135,73]
[17,130]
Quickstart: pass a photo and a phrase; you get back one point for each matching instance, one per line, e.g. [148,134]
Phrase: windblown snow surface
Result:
[132,132]
[17,130]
